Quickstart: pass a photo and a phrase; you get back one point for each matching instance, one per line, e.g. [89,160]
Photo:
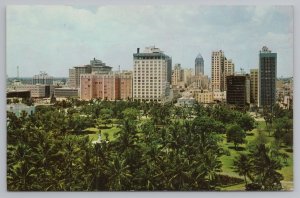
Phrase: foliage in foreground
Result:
[168,150]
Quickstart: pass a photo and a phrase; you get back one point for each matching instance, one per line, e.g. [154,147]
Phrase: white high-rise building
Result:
[151,72]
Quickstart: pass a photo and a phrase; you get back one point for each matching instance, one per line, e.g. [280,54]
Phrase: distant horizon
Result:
[278,77]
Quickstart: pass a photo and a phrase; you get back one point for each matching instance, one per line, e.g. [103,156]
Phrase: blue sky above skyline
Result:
[56,38]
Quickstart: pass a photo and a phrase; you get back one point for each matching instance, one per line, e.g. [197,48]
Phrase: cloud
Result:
[55,38]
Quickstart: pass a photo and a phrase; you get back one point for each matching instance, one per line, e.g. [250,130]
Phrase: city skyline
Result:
[56,38]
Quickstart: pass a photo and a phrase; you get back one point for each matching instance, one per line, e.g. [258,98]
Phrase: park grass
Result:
[110,131]
[237,187]
[227,160]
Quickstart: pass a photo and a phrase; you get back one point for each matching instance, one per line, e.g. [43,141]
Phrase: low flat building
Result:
[203,96]
[36,91]
[219,96]
[18,94]
[186,100]
[65,92]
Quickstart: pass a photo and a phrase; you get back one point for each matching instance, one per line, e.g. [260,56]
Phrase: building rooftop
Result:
[151,52]
[199,56]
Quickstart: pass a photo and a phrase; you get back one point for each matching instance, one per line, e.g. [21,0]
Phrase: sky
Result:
[56,38]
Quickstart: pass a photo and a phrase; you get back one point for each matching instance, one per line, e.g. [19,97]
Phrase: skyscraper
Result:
[267,77]
[217,68]
[254,86]
[221,67]
[199,65]
[151,75]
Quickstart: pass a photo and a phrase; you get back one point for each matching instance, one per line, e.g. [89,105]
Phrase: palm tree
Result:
[119,174]
[242,165]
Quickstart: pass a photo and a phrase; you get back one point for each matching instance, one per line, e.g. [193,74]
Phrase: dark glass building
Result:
[267,77]
[238,90]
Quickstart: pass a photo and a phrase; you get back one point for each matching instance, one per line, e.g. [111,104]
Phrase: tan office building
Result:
[254,86]
[221,67]
[111,86]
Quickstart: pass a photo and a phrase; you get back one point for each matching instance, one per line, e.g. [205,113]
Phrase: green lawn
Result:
[227,161]
[110,132]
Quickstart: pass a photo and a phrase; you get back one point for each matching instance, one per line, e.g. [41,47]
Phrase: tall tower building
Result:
[220,68]
[199,65]
[217,67]
[267,77]
[254,86]
[151,75]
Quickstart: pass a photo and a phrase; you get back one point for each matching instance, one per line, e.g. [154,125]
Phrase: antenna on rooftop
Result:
[18,72]
[242,71]
[119,69]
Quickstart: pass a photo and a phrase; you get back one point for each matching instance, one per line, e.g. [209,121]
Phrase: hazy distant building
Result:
[254,86]
[284,92]
[238,90]
[95,66]
[187,76]
[267,77]
[177,74]
[200,82]
[151,75]
[199,65]
[42,78]
[221,67]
